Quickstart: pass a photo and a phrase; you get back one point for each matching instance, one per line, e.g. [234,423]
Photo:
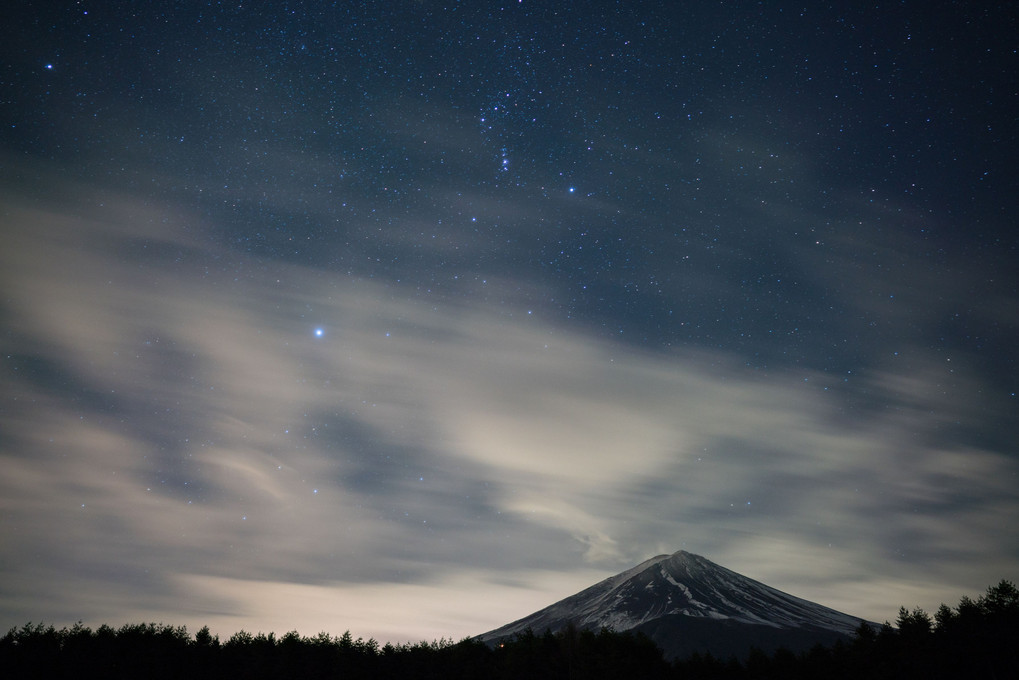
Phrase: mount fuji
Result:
[687,604]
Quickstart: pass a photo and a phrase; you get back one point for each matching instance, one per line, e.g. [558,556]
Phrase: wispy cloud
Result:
[175,431]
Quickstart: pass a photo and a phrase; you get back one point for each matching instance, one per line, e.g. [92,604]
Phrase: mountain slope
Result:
[687,603]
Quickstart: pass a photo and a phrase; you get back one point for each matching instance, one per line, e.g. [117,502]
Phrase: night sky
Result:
[410,318]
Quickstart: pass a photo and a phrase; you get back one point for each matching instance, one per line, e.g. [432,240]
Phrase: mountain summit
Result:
[686,603]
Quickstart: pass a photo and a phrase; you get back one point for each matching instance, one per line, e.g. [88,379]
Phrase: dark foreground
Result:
[975,639]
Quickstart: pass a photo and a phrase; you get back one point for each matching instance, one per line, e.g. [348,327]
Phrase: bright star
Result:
[319,332]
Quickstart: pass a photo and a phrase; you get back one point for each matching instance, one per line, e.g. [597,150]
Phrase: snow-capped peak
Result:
[681,584]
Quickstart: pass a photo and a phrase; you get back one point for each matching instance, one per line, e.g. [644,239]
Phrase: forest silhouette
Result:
[976,638]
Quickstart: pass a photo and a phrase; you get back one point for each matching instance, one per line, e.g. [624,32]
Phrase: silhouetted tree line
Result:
[978,638]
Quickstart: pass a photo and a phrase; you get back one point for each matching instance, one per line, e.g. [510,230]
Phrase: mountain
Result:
[686,604]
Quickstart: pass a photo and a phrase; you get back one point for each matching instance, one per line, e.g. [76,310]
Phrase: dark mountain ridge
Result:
[686,603]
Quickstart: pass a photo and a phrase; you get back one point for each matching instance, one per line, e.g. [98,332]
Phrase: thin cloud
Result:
[193,431]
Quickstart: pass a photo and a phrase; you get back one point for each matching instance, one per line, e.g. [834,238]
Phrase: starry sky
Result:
[413,317]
